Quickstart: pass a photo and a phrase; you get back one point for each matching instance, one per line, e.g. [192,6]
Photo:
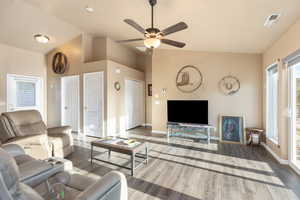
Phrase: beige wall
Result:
[74,52]
[116,99]
[83,54]
[104,48]
[246,67]
[20,62]
[284,46]
[121,54]
[145,61]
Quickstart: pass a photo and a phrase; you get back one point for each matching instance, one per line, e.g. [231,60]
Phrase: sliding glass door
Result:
[294,106]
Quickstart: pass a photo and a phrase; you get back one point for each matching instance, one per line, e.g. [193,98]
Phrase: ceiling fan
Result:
[153,37]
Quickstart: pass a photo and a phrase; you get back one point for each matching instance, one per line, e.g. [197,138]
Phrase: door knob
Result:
[66,107]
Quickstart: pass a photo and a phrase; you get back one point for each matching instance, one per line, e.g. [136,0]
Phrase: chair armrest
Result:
[13,149]
[112,186]
[61,129]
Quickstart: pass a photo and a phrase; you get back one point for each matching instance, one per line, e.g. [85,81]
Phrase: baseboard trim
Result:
[158,132]
[214,138]
[295,168]
[280,160]
[147,124]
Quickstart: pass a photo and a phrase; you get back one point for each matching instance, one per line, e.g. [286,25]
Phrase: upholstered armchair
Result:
[27,129]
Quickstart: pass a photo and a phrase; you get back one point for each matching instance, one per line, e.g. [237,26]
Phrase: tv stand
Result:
[189,129]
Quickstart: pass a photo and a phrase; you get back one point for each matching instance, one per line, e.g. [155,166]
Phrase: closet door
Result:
[134,103]
[93,104]
[70,112]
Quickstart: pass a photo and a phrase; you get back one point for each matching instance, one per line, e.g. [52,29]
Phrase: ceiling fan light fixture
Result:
[152,43]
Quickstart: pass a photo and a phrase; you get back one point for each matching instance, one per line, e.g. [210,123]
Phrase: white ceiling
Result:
[20,21]
[214,25]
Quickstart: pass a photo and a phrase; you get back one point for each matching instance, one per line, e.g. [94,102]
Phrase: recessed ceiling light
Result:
[41,38]
[89,9]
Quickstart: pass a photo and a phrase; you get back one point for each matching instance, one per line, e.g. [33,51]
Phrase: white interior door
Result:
[93,104]
[24,93]
[70,110]
[134,103]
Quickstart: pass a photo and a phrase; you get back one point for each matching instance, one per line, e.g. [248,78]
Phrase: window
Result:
[272,103]
[24,93]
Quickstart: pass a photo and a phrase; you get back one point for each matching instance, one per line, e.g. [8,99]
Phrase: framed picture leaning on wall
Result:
[232,129]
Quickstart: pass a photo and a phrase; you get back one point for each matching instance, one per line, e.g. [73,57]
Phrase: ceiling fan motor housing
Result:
[152,2]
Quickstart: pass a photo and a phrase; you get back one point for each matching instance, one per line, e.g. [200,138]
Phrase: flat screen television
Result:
[188,111]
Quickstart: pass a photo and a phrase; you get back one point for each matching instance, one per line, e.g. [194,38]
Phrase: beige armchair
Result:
[27,129]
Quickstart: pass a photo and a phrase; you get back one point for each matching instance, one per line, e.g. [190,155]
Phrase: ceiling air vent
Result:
[271,20]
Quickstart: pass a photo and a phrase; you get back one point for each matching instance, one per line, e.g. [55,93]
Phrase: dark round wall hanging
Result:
[117,85]
[59,63]
[189,79]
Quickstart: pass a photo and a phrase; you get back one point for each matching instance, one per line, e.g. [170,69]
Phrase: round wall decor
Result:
[229,85]
[189,79]
[117,85]
[59,63]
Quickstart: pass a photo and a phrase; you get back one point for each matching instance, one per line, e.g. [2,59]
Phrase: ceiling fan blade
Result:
[135,25]
[131,40]
[175,28]
[173,43]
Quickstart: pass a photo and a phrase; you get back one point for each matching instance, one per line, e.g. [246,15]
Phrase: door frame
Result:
[102,105]
[143,100]
[61,105]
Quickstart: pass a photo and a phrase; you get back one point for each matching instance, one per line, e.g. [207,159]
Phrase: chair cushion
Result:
[25,193]
[9,171]
[21,159]
[36,146]
[33,168]
[59,140]
[6,132]
[27,122]
[38,128]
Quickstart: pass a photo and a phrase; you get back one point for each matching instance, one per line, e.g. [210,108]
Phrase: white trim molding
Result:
[159,132]
[146,124]
[295,168]
[280,160]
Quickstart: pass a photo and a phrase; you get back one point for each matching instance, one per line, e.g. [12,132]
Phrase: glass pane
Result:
[272,103]
[26,94]
[297,136]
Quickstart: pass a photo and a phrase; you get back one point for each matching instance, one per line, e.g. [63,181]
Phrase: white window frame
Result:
[11,83]
[274,137]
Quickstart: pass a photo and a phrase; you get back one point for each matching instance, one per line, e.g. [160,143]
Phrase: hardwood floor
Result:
[187,170]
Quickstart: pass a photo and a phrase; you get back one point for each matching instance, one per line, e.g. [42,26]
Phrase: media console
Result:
[189,129]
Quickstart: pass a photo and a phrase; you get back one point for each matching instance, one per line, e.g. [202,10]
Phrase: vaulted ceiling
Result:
[214,25]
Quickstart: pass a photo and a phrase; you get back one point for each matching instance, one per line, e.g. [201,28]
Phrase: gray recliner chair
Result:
[112,186]
[27,129]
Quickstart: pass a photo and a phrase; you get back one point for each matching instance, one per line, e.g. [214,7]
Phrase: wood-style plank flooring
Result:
[188,170]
